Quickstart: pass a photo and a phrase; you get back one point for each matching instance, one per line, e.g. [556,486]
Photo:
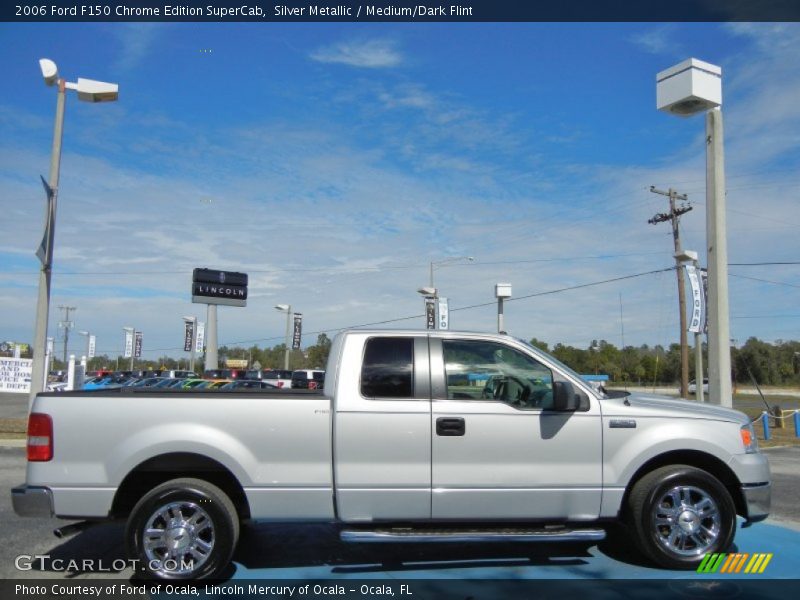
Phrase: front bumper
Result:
[29,501]
[757,499]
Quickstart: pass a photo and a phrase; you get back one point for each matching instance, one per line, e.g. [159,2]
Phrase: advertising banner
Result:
[188,336]
[92,341]
[298,331]
[430,313]
[200,338]
[138,346]
[15,374]
[444,314]
[698,315]
[210,286]
[128,344]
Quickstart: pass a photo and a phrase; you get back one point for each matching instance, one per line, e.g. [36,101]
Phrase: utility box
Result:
[689,87]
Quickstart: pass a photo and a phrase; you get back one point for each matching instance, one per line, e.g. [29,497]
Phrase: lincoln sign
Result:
[219,287]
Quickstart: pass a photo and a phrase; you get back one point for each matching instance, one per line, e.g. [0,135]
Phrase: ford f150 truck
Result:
[418,436]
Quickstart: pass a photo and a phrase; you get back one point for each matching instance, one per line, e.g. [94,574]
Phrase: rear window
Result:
[388,368]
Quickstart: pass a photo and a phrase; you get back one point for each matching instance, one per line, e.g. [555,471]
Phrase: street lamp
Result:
[447,261]
[502,291]
[88,339]
[88,90]
[287,308]
[431,295]
[686,89]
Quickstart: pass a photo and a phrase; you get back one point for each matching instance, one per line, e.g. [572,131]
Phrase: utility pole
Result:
[673,216]
[67,325]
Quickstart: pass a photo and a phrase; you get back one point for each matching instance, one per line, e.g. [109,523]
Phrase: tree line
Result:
[769,363]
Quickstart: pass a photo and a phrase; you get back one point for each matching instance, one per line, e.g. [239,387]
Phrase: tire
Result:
[191,523]
[679,514]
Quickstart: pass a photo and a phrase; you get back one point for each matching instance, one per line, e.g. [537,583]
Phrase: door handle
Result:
[450,426]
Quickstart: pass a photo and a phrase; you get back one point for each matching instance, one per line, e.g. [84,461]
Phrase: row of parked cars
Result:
[223,379]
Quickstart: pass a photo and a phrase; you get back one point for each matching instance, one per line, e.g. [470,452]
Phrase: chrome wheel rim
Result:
[686,521]
[178,539]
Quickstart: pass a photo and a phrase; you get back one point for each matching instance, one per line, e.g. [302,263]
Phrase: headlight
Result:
[749,440]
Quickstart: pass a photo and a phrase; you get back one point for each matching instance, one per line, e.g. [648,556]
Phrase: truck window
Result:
[478,370]
[388,368]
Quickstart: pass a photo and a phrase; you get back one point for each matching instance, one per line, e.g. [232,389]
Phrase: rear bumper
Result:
[757,499]
[29,501]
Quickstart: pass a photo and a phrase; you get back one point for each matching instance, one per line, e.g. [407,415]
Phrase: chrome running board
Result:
[421,535]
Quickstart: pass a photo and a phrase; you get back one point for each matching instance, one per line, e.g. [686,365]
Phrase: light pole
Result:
[88,91]
[688,88]
[88,337]
[287,308]
[502,291]
[431,293]
[446,261]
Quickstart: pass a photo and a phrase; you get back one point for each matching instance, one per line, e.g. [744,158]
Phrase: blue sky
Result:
[332,162]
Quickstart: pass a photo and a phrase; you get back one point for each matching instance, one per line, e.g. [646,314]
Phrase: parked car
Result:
[308,379]
[693,386]
[396,449]
[250,384]
[277,377]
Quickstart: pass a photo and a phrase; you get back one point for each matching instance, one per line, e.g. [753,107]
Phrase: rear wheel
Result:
[680,514]
[183,529]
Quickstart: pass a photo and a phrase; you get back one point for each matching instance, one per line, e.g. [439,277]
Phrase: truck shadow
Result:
[100,550]
[271,546]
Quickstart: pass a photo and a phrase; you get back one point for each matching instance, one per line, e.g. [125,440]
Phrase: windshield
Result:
[562,366]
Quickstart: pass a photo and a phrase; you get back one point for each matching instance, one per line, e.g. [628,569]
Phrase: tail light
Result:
[280,384]
[40,437]
[312,385]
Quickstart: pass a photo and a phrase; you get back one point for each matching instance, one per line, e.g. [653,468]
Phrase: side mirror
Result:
[564,397]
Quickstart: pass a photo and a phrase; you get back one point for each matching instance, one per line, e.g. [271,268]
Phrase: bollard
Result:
[797,423]
[765,423]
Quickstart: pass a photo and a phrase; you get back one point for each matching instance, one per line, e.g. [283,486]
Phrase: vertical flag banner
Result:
[430,313]
[704,279]
[697,322]
[92,341]
[444,314]
[298,331]
[128,344]
[188,336]
[200,338]
[138,345]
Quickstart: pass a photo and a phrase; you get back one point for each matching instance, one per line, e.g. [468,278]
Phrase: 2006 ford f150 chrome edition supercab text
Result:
[418,436]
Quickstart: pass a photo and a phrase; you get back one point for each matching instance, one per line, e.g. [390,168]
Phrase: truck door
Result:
[500,450]
[382,429]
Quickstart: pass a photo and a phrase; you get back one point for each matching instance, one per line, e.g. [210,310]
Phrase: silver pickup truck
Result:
[417,437]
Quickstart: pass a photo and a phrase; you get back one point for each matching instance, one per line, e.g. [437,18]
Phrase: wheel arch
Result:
[693,458]
[164,467]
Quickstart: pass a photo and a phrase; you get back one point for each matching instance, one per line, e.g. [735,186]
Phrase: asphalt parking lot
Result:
[288,551]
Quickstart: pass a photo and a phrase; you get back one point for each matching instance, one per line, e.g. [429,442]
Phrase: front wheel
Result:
[183,529]
[680,514]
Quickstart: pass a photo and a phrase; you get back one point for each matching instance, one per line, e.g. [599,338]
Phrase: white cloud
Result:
[370,54]
[659,40]
[136,42]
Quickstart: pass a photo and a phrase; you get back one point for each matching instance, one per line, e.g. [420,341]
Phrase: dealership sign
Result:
[15,374]
[219,287]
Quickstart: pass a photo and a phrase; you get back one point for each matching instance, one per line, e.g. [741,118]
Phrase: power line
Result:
[766,280]
[421,315]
